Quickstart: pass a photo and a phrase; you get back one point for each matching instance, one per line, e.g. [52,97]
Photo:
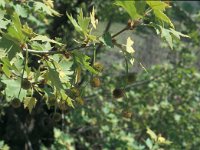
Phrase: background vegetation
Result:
[85,92]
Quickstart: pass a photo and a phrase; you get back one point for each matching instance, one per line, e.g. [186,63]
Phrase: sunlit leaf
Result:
[151,134]
[129,44]
[92,18]
[29,102]
[46,9]
[129,6]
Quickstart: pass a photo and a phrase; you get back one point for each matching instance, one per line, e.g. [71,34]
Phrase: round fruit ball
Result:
[26,84]
[98,66]
[57,117]
[80,100]
[15,103]
[74,92]
[95,82]
[126,114]
[118,93]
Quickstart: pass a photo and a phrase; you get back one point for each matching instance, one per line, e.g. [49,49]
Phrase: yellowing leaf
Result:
[129,44]
[93,20]
[39,6]
[162,140]
[29,102]
[49,3]
[151,134]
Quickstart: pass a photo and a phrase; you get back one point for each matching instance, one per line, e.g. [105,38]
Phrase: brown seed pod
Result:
[26,84]
[126,114]
[57,117]
[131,77]
[95,82]
[74,92]
[80,100]
[98,66]
[62,105]
[15,103]
[67,55]
[51,101]
[118,93]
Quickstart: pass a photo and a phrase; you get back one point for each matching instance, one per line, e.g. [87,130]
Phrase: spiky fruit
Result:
[131,77]
[57,117]
[51,101]
[62,105]
[126,114]
[118,93]
[26,84]
[74,92]
[15,103]
[80,100]
[95,82]
[98,66]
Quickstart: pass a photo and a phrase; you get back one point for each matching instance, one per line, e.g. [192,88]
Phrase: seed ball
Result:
[26,84]
[74,92]
[80,100]
[126,114]
[15,103]
[95,82]
[98,66]
[118,93]
[57,117]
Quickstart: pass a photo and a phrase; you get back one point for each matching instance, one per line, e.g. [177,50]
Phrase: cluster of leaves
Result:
[36,67]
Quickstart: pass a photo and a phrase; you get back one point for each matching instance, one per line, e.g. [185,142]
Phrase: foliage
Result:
[49,76]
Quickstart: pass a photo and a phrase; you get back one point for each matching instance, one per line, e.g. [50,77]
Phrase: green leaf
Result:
[83,60]
[21,10]
[46,9]
[130,7]
[75,24]
[178,34]
[107,40]
[4,24]
[83,22]
[45,39]
[14,31]
[63,68]
[6,70]
[158,9]
[2,3]
[159,14]
[168,35]
[149,143]
[30,102]
[53,76]
[10,47]
[151,134]
[66,98]
[2,53]
[12,89]
[165,33]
